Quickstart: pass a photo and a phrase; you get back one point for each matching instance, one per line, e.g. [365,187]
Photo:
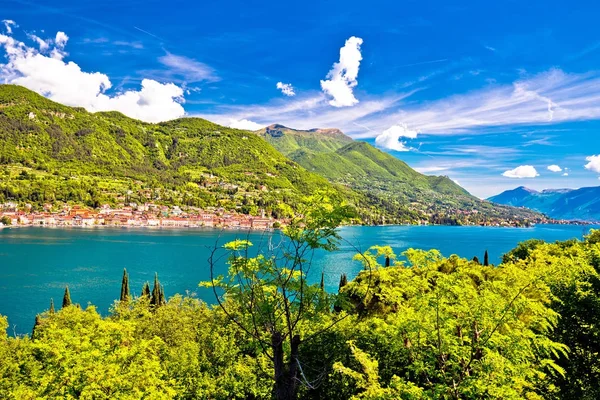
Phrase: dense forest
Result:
[410,326]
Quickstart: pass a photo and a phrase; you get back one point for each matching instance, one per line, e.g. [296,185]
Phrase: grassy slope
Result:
[389,182]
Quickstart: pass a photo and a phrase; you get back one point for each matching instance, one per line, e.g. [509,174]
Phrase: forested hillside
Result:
[50,152]
[410,326]
[393,186]
[54,154]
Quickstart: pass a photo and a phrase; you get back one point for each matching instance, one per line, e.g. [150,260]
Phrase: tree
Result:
[66,298]
[486,259]
[343,281]
[476,260]
[125,287]
[5,220]
[51,306]
[146,289]
[158,293]
[268,297]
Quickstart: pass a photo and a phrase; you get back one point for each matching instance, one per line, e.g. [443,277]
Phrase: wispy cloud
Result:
[187,69]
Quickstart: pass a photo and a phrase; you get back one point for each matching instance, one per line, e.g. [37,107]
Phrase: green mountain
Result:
[391,185]
[53,153]
[577,204]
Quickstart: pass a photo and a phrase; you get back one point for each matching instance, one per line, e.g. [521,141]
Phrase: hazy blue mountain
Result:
[579,204]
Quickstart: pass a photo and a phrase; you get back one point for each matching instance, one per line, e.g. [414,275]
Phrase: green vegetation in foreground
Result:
[396,192]
[420,327]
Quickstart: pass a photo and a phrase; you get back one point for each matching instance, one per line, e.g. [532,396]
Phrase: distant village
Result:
[134,215]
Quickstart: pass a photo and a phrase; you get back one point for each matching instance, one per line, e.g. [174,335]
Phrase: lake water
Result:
[37,263]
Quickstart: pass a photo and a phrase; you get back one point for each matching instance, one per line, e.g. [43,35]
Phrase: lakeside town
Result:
[147,215]
[150,215]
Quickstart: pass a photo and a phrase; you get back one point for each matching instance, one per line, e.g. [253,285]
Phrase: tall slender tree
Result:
[51,306]
[125,286]
[146,289]
[387,261]
[157,298]
[322,284]
[486,259]
[343,281]
[66,298]
[38,322]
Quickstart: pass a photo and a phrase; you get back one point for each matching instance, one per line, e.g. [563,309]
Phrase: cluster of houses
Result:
[147,215]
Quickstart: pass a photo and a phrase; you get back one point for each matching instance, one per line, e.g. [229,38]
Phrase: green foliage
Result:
[66,298]
[424,327]
[125,295]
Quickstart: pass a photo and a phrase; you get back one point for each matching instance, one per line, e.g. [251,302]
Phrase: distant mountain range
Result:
[575,204]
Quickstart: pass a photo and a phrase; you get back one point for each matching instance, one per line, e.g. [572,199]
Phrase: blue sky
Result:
[488,93]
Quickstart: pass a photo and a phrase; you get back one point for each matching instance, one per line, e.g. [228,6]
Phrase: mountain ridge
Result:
[390,182]
[572,204]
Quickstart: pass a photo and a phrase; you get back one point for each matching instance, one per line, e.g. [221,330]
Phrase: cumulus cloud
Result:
[45,72]
[390,138]
[593,163]
[341,80]
[245,124]
[522,171]
[565,174]
[286,88]
[554,168]
[8,25]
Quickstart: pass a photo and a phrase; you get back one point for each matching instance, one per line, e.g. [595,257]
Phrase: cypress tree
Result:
[66,298]
[343,281]
[125,286]
[51,306]
[338,306]
[486,259]
[162,299]
[476,259]
[146,289]
[322,280]
[155,299]
[387,261]
[38,322]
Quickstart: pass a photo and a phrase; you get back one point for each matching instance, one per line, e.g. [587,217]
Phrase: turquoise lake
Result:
[37,263]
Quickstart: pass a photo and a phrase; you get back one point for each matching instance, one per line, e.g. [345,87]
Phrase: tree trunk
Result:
[286,375]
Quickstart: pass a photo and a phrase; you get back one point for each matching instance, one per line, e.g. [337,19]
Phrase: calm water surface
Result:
[37,263]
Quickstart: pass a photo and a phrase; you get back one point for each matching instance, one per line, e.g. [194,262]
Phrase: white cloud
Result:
[43,45]
[554,168]
[342,77]
[390,138]
[286,88]
[45,72]
[593,164]
[565,174]
[61,39]
[523,171]
[549,97]
[426,170]
[188,69]
[245,125]
[8,24]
